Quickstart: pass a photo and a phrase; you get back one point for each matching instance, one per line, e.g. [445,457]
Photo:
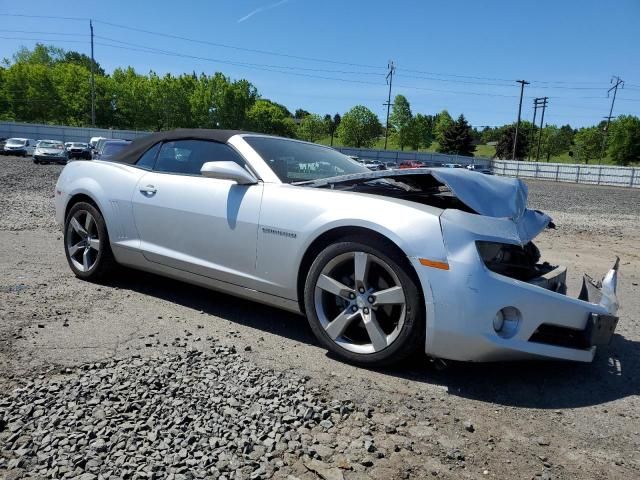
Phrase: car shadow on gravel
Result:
[546,384]
[233,309]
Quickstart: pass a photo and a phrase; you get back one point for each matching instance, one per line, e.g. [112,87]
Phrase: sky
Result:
[327,56]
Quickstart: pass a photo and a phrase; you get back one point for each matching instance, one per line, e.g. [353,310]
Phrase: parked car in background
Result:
[49,151]
[411,164]
[480,169]
[391,165]
[452,165]
[93,143]
[79,150]
[19,146]
[67,145]
[108,148]
[374,164]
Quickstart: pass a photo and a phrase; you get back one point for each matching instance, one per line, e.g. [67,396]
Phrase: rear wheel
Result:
[87,243]
[363,304]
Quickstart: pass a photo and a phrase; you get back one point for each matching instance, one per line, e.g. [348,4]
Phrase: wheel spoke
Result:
[94,243]
[340,324]
[330,285]
[85,260]
[376,334]
[361,267]
[79,229]
[390,296]
[88,221]
[74,248]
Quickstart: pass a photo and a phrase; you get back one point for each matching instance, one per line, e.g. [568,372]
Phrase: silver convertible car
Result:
[382,264]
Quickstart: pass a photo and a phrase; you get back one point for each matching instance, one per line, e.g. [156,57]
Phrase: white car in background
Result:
[20,146]
[382,263]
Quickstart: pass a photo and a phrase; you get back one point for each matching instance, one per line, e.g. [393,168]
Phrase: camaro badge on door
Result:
[282,233]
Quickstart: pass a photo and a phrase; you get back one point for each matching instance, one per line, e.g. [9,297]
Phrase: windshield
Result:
[295,161]
[78,145]
[45,144]
[112,148]
[15,142]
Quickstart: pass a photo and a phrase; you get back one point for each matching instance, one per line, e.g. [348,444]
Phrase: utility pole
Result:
[545,101]
[537,103]
[515,137]
[389,79]
[533,124]
[93,81]
[618,83]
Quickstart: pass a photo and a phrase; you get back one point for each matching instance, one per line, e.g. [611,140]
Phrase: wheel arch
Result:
[81,197]
[343,232]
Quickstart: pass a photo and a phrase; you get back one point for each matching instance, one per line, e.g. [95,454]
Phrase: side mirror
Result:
[227,171]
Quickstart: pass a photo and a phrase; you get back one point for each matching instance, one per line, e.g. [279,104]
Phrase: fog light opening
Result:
[507,321]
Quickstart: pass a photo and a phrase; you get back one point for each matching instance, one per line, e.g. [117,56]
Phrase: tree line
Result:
[51,85]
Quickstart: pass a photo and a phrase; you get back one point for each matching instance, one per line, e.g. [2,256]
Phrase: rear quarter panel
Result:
[110,186]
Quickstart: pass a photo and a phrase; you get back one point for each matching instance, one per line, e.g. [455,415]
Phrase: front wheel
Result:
[87,243]
[363,303]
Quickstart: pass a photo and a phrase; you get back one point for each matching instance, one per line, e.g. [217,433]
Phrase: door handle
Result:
[148,191]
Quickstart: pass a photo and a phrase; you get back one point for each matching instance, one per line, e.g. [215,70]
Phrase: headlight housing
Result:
[514,261]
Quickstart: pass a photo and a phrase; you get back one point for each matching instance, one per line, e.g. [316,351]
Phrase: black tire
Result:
[36,162]
[104,262]
[412,335]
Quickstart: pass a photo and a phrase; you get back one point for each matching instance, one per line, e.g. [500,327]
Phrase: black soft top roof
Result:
[132,153]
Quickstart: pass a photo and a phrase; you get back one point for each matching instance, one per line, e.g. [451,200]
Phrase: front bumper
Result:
[464,302]
[14,151]
[50,158]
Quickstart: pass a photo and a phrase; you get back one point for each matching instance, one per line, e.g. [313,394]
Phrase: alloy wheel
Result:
[360,302]
[83,240]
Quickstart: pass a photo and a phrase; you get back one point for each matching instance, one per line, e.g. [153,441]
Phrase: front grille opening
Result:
[560,337]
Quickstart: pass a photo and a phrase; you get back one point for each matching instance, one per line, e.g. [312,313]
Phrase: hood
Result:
[51,151]
[488,195]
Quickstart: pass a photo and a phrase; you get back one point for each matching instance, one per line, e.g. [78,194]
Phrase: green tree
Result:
[442,123]
[266,116]
[312,128]
[400,119]
[624,140]
[504,147]
[329,127]
[300,114]
[588,143]
[359,127]
[457,138]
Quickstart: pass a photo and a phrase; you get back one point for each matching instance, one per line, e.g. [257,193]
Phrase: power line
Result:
[234,47]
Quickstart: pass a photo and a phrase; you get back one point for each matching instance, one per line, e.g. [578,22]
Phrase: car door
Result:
[197,224]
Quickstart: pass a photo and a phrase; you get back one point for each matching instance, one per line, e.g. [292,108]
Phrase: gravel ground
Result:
[145,377]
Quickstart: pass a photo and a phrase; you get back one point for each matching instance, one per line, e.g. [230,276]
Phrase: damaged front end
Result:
[496,300]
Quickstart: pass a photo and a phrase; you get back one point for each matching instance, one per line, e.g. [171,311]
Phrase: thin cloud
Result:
[262,9]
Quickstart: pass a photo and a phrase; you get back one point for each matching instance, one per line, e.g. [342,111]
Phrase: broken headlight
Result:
[515,261]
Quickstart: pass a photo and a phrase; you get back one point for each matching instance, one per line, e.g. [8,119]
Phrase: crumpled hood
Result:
[488,195]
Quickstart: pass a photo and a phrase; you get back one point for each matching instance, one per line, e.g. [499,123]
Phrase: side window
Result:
[148,158]
[187,156]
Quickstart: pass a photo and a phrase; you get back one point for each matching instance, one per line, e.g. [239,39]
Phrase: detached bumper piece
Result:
[599,327]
